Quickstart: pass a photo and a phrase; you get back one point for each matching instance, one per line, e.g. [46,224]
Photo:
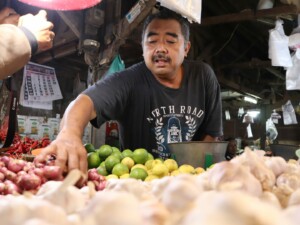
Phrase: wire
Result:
[227,42]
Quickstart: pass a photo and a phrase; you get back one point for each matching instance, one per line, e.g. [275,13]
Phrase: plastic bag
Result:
[265,4]
[116,65]
[241,112]
[191,9]
[289,115]
[292,73]
[271,130]
[294,41]
[278,46]
[275,117]
[227,115]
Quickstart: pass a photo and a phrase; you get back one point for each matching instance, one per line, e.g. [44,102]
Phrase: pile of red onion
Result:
[17,175]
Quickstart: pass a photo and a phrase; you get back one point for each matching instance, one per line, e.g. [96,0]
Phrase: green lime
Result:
[115,149]
[127,153]
[120,169]
[93,160]
[110,162]
[117,154]
[102,163]
[150,156]
[102,170]
[138,173]
[104,151]
[140,155]
[89,147]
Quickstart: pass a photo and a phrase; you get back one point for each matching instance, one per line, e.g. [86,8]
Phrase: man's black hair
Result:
[166,14]
[230,139]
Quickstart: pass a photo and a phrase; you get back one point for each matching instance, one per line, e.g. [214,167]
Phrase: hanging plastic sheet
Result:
[289,115]
[275,116]
[191,9]
[278,46]
[271,131]
[292,73]
[116,65]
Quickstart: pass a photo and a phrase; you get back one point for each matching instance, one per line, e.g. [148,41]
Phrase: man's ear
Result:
[187,47]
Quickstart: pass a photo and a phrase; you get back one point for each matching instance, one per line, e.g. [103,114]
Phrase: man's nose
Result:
[161,47]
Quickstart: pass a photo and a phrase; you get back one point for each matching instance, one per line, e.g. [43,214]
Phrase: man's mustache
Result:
[160,56]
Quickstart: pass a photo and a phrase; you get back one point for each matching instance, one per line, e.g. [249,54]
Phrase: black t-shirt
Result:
[152,115]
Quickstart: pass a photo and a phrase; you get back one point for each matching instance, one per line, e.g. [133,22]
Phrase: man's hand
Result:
[69,150]
[9,16]
[40,27]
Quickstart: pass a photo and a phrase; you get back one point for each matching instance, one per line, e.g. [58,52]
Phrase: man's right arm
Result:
[68,147]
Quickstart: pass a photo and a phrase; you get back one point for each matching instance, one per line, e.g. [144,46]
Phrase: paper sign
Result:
[40,87]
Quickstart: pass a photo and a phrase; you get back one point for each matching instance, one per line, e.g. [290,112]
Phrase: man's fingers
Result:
[61,159]
[73,161]
[83,163]
[42,157]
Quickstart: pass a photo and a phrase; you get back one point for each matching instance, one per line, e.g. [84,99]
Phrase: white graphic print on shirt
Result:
[173,124]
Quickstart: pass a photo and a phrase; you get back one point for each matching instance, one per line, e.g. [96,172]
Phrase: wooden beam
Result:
[234,86]
[124,29]
[73,19]
[254,63]
[250,15]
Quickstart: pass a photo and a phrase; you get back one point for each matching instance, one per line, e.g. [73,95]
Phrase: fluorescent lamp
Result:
[250,99]
[253,113]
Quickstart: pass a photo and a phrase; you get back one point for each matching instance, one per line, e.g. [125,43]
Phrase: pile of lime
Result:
[139,163]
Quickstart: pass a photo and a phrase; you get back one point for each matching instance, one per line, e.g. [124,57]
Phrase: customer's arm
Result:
[18,44]
[15,50]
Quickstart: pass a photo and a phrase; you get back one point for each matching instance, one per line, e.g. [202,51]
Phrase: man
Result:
[231,150]
[21,37]
[161,100]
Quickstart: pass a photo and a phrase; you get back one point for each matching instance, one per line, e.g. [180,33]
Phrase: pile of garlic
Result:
[251,189]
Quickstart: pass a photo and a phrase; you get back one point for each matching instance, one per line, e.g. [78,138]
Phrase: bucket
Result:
[198,153]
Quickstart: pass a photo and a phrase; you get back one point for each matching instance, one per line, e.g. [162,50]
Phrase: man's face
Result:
[163,47]
[232,147]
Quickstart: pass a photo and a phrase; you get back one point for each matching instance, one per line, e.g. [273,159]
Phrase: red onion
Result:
[5,159]
[2,164]
[53,172]
[20,173]
[93,175]
[38,171]
[28,166]
[29,182]
[9,175]
[11,188]
[2,188]
[2,177]
[100,186]
[3,170]
[16,165]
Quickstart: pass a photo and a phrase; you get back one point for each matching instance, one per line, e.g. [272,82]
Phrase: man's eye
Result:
[151,41]
[171,42]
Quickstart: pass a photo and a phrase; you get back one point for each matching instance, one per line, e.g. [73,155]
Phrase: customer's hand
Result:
[40,27]
[9,16]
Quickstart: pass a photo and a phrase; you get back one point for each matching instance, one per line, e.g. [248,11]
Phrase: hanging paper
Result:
[40,86]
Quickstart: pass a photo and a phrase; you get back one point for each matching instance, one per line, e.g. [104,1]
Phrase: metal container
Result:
[285,151]
[197,153]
